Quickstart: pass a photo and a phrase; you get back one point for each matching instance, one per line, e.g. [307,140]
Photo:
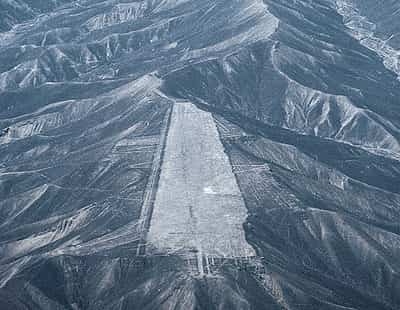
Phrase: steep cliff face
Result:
[184,154]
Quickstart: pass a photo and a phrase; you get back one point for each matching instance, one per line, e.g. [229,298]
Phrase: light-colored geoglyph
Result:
[198,209]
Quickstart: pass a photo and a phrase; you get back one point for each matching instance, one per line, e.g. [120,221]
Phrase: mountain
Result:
[187,154]
[13,12]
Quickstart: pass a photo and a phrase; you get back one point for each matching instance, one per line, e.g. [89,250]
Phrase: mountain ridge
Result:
[306,113]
